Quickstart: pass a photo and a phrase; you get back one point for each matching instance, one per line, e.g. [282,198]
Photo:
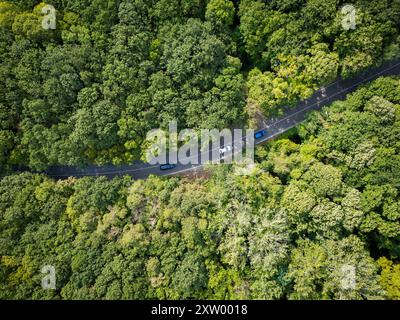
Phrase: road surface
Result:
[292,117]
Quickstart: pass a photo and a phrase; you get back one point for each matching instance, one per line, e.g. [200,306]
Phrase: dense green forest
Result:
[89,90]
[324,196]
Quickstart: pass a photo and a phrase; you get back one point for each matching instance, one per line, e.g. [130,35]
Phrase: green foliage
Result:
[317,271]
[90,90]
[323,197]
[297,46]
[294,77]
[220,12]
[390,278]
[289,230]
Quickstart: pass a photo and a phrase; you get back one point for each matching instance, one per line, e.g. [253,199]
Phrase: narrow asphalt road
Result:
[293,116]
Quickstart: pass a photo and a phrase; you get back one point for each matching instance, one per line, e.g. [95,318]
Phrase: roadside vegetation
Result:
[90,90]
[320,200]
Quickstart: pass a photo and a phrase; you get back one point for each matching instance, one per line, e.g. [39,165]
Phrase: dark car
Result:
[259,134]
[167,166]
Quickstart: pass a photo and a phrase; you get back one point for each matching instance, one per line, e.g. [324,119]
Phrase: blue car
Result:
[167,166]
[259,134]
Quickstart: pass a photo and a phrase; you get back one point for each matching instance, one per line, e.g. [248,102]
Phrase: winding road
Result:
[292,117]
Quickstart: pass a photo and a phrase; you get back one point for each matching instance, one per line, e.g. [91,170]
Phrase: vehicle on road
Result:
[260,134]
[167,166]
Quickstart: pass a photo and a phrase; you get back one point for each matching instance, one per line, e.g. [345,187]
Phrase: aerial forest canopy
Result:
[321,198]
[89,90]
[324,197]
